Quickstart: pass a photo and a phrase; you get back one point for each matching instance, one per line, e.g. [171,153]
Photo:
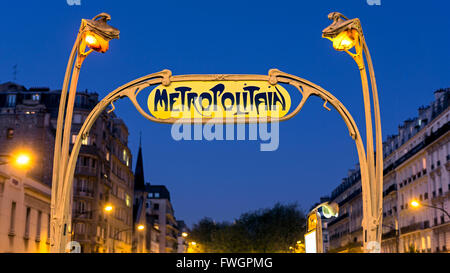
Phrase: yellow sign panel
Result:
[312,221]
[219,99]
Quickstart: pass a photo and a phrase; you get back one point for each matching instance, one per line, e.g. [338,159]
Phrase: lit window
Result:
[124,155]
[11,100]
[85,141]
[36,97]
[9,133]
[128,200]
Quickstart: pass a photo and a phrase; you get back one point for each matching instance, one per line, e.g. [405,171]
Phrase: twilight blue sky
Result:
[409,43]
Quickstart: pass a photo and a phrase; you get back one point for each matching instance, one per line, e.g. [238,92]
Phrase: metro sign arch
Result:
[199,99]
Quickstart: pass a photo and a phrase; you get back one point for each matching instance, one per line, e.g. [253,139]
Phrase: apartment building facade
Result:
[24,212]
[163,216]
[103,173]
[416,167]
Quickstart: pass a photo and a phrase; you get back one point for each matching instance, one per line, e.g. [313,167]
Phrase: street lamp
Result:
[19,159]
[139,228]
[417,204]
[347,34]
[94,34]
[107,209]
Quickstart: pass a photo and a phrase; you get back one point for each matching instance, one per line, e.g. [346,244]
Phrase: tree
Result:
[266,230]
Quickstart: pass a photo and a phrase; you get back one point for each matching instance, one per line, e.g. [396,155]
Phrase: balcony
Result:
[392,188]
[414,227]
[87,171]
[106,182]
[82,214]
[351,196]
[388,235]
[427,141]
[81,192]
[338,219]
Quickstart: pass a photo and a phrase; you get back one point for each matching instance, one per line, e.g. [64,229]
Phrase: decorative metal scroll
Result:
[273,79]
[165,79]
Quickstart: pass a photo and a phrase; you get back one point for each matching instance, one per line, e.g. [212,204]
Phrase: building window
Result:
[156,206]
[11,100]
[85,141]
[48,228]
[38,228]
[85,161]
[9,133]
[124,155]
[156,194]
[36,97]
[77,118]
[128,200]
[27,223]
[12,220]
[81,228]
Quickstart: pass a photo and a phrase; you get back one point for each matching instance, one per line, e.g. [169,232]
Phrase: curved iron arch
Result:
[306,88]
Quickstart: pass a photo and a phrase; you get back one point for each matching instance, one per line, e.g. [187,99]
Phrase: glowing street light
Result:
[347,34]
[345,40]
[94,34]
[23,159]
[108,208]
[184,234]
[416,204]
[19,159]
[140,228]
[98,33]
